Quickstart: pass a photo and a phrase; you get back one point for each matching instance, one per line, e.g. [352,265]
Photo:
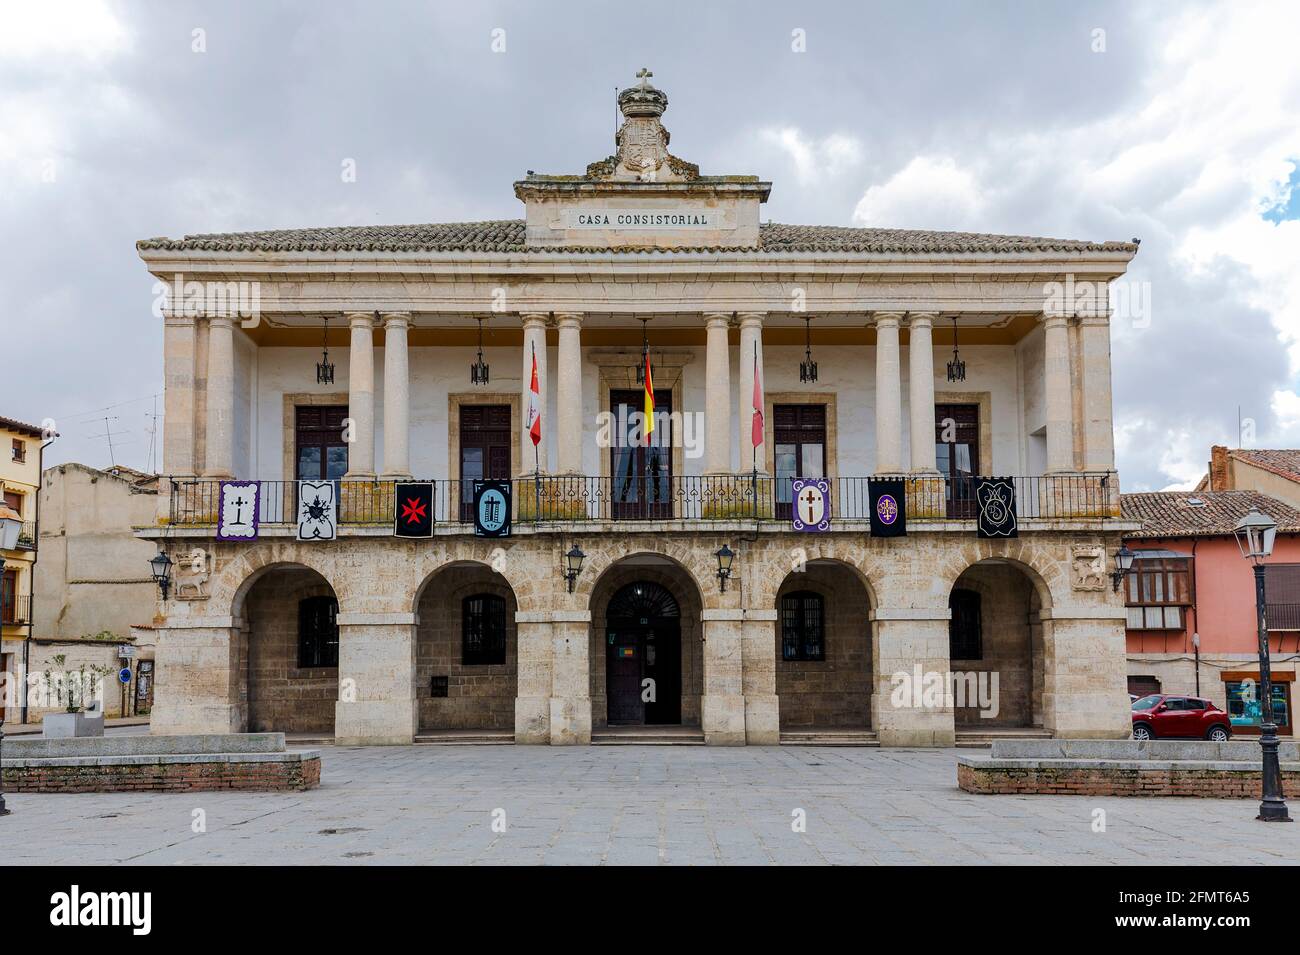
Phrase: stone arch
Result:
[288,677]
[1007,596]
[454,690]
[653,566]
[232,582]
[515,561]
[766,577]
[692,557]
[827,686]
[1040,569]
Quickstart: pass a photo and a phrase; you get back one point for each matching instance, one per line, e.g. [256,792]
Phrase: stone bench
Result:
[195,763]
[1125,768]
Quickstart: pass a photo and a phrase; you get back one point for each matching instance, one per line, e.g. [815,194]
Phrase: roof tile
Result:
[1170,513]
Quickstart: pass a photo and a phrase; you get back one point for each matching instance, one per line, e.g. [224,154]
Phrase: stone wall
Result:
[177,774]
[478,696]
[282,696]
[836,691]
[1205,783]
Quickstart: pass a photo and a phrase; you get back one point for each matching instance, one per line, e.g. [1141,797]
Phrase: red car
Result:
[1161,716]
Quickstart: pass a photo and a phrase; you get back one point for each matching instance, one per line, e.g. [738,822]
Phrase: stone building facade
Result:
[640,259]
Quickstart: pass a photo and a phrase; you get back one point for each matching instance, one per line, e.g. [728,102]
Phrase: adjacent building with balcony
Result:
[373,355]
[20,479]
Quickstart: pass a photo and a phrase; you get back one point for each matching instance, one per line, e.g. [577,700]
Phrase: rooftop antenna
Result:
[152,428]
[108,433]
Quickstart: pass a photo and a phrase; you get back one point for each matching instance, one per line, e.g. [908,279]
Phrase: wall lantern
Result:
[1255,534]
[325,367]
[1123,564]
[725,557]
[956,367]
[807,367]
[573,565]
[162,571]
[645,355]
[478,370]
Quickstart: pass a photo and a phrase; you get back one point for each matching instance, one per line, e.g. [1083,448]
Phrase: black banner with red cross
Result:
[414,510]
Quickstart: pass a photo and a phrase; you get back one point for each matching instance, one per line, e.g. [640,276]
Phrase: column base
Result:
[762,720]
[374,723]
[393,476]
[187,719]
[723,719]
[570,721]
[532,720]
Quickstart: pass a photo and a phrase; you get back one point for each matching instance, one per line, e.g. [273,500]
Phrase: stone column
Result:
[376,704]
[1059,401]
[912,643]
[1085,691]
[534,343]
[920,390]
[535,680]
[1098,430]
[568,394]
[178,395]
[397,396]
[751,343]
[200,660]
[570,677]
[889,401]
[717,395]
[361,396]
[758,677]
[220,456]
[723,705]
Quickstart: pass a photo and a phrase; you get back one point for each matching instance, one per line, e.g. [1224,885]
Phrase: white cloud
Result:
[51,31]
[930,192]
[816,161]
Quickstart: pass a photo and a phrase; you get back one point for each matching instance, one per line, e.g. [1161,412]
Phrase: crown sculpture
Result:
[642,141]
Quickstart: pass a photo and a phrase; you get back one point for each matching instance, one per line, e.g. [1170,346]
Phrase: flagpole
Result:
[537,453]
[753,451]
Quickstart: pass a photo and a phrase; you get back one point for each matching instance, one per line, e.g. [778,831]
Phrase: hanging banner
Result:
[317,511]
[492,508]
[810,504]
[995,500]
[237,510]
[414,510]
[888,507]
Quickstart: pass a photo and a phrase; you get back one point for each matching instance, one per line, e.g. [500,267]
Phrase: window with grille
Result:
[802,627]
[1156,592]
[318,632]
[483,631]
[965,633]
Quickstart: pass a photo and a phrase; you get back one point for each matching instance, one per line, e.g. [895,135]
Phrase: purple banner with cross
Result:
[810,504]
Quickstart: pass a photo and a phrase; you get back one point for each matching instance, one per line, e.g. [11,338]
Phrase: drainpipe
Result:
[1196,635]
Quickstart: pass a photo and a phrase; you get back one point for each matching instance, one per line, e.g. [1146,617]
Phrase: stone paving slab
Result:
[635,805]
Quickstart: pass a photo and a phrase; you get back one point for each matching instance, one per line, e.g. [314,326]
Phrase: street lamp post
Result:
[10,524]
[1255,534]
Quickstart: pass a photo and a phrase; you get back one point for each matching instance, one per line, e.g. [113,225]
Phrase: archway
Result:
[646,653]
[995,646]
[823,648]
[289,651]
[466,650]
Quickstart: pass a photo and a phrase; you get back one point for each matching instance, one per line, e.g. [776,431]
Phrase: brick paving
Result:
[633,805]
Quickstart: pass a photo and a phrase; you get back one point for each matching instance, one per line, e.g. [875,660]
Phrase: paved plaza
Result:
[688,805]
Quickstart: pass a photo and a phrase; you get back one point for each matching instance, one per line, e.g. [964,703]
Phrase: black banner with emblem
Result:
[888,507]
[414,510]
[492,508]
[995,500]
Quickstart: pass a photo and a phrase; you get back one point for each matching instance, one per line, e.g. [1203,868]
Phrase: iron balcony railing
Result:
[15,608]
[27,536]
[567,499]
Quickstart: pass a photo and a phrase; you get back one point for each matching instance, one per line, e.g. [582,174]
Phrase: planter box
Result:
[68,725]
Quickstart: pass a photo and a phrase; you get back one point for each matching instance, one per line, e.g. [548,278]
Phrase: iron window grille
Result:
[483,632]
[803,627]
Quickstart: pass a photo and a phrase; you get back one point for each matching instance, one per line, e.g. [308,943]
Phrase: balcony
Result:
[560,499]
[27,536]
[15,609]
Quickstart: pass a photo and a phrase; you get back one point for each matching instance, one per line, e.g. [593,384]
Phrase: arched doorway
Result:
[643,656]
[289,645]
[995,647]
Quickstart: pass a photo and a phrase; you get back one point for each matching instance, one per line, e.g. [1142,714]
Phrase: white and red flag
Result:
[534,423]
[756,428]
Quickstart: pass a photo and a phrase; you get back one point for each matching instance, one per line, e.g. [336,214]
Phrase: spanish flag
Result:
[649,401]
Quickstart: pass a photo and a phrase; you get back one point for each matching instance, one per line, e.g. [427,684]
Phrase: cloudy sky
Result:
[1175,123]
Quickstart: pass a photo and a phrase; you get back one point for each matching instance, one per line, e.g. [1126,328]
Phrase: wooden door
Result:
[484,450]
[641,467]
[957,454]
[799,449]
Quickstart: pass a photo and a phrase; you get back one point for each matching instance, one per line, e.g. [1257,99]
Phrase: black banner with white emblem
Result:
[492,508]
[995,500]
[888,507]
[414,510]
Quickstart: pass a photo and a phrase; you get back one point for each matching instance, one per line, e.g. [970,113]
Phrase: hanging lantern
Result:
[645,354]
[956,367]
[478,370]
[807,367]
[325,367]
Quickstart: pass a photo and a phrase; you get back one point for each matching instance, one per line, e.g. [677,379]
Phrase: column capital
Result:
[717,318]
[360,319]
[887,319]
[395,318]
[751,318]
[220,321]
[922,318]
[1093,319]
[534,319]
[568,319]
[178,319]
[1055,321]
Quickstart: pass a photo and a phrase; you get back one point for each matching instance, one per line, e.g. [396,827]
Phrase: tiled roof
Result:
[1171,513]
[507,235]
[1285,462]
[10,424]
